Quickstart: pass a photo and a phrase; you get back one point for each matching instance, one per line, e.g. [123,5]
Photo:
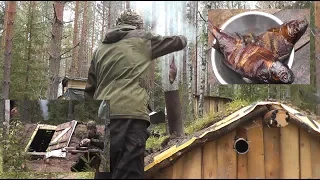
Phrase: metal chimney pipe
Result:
[173,108]
[241,146]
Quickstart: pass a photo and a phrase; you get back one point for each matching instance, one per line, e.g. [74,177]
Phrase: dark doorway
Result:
[41,140]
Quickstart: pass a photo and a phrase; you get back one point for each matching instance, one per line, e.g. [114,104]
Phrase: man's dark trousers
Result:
[127,148]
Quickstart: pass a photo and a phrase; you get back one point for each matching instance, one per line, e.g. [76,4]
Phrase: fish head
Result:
[280,74]
[296,28]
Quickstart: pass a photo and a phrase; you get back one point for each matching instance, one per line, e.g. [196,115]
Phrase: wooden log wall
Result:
[211,105]
[287,152]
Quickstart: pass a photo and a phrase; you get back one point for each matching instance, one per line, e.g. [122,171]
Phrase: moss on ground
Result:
[212,118]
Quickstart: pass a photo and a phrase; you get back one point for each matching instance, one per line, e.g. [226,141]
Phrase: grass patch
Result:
[197,124]
[155,142]
[85,175]
[203,122]
[30,175]
[160,128]
[42,175]
[212,118]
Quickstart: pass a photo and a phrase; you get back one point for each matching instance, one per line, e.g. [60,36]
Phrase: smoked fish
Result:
[280,40]
[251,61]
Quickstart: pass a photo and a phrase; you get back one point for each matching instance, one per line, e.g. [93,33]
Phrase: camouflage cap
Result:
[130,17]
[91,125]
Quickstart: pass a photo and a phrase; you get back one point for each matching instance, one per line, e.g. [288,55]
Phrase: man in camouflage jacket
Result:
[118,73]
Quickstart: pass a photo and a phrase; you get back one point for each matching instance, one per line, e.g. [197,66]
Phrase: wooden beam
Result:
[242,171]
[315,152]
[37,153]
[192,164]
[271,142]
[227,157]
[305,155]
[289,138]
[209,159]
[256,168]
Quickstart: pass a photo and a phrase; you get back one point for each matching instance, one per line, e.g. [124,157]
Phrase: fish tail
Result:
[214,32]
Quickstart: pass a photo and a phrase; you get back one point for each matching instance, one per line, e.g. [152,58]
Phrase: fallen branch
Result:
[66,57]
[159,86]
[70,49]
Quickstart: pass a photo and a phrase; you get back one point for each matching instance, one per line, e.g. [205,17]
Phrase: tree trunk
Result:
[109,15]
[189,62]
[317,50]
[5,25]
[6,117]
[165,58]
[184,63]
[29,37]
[55,49]
[11,13]
[2,110]
[153,63]
[196,50]
[172,86]
[106,150]
[203,65]
[93,25]
[103,19]
[71,110]
[82,63]
[128,4]
[74,62]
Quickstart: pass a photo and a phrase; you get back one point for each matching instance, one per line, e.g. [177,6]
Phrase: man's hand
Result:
[85,142]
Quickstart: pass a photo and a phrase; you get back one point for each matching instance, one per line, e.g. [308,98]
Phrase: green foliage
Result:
[160,128]
[159,102]
[155,142]
[187,115]
[57,111]
[28,75]
[29,111]
[14,158]
[87,110]
[198,124]
[83,111]
[211,118]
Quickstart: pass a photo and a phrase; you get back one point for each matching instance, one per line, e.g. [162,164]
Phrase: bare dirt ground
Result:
[38,164]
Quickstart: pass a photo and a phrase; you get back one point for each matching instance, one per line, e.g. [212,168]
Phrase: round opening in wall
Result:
[241,146]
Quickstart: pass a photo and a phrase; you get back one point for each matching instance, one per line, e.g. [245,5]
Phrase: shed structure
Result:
[211,104]
[73,88]
[262,140]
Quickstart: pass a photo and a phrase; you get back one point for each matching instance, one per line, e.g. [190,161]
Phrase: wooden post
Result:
[2,109]
[71,111]
[173,106]
[7,116]
[105,115]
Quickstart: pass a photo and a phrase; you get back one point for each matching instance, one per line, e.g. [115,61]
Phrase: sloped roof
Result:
[226,125]
[66,78]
